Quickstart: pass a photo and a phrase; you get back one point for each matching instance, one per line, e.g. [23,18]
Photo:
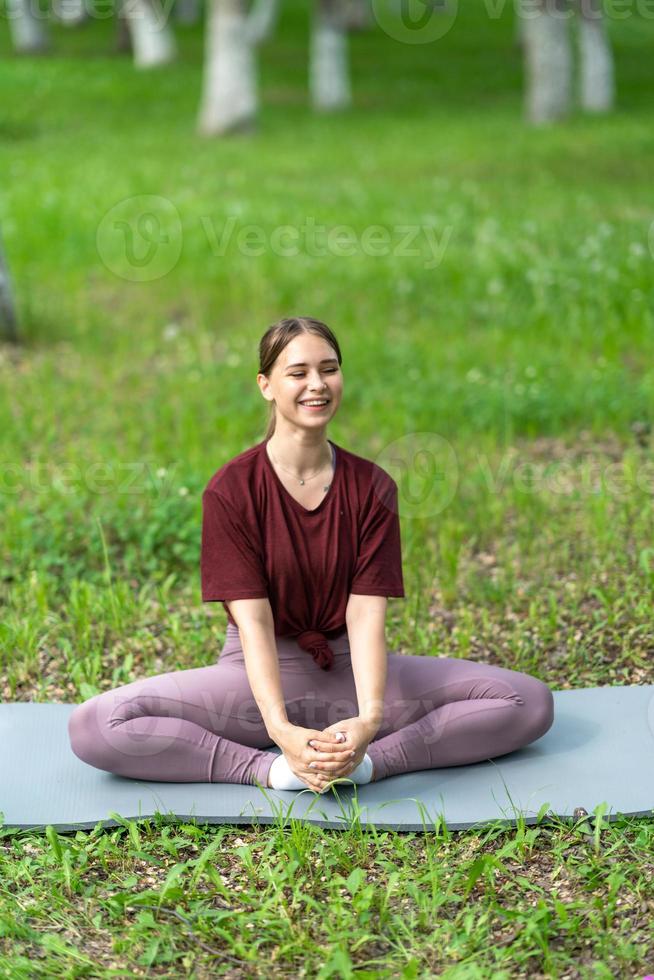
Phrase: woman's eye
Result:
[298,374]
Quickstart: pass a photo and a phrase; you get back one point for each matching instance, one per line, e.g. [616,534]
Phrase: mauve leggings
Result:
[203,724]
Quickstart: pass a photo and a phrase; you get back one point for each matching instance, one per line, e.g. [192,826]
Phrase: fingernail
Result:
[312,744]
[340,736]
[312,764]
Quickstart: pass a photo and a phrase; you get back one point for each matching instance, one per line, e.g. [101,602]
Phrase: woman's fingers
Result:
[334,750]
[336,760]
[332,767]
[322,742]
[326,749]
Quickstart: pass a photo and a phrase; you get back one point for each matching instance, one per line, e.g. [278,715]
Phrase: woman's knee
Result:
[539,710]
[85,735]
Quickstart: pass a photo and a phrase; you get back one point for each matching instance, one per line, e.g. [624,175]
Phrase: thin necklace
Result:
[302,482]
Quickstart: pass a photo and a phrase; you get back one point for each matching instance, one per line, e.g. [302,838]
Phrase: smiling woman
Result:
[301,542]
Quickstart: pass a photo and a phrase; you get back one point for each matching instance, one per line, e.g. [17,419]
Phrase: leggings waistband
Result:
[289,652]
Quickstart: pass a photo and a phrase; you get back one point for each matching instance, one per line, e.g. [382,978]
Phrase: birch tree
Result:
[596,74]
[262,20]
[229,92]
[29,32]
[70,12]
[329,77]
[153,41]
[547,29]
[229,89]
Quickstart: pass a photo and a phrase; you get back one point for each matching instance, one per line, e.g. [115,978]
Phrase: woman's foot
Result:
[281,776]
[372,776]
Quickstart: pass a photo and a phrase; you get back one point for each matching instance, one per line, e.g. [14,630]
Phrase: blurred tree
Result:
[229,95]
[329,76]
[8,322]
[70,12]
[546,36]
[27,26]
[153,41]
[262,19]
[142,27]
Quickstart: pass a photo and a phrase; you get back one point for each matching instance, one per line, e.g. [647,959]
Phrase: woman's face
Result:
[307,369]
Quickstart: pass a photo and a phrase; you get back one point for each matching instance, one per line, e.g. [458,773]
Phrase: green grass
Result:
[527,348]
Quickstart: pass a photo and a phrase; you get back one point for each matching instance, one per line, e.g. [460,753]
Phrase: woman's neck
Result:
[301,458]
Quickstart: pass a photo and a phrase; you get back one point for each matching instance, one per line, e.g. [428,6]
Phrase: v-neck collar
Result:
[298,506]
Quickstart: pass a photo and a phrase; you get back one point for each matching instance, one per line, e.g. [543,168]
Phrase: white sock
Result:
[282,776]
[363,772]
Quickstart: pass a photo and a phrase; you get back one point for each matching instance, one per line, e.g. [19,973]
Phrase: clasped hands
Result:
[318,757]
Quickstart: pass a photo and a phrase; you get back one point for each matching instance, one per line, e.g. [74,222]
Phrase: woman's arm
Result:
[365,618]
[256,626]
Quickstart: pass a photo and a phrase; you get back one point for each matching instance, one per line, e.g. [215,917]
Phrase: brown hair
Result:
[275,340]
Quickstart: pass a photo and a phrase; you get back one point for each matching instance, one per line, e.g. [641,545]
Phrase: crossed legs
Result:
[203,724]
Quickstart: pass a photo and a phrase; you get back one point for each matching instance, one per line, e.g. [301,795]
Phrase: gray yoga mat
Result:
[600,750]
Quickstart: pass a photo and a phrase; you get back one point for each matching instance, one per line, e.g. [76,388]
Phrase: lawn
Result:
[507,316]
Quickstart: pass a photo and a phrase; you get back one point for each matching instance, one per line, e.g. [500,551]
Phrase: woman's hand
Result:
[358,735]
[294,740]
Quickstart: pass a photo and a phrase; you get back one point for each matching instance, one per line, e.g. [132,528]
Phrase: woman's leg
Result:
[198,725]
[203,724]
[442,711]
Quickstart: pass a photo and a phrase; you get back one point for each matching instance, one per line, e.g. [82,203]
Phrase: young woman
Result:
[301,543]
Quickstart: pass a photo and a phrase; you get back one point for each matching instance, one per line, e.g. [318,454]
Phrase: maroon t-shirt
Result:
[258,541]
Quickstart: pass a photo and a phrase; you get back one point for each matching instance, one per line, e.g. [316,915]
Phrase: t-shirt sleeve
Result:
[378,569]
[230,565]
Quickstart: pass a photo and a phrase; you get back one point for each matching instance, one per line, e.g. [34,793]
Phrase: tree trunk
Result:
[261,20]
[8,322]
[153,42]
[548,57]
[27,26]
[229,94]
[329,80]
[596,76]
[188,11]
[70,12]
